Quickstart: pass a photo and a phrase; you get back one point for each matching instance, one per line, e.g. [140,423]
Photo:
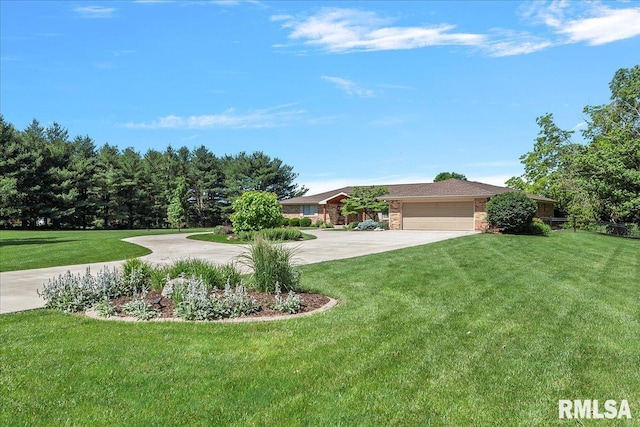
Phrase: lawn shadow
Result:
[34,241]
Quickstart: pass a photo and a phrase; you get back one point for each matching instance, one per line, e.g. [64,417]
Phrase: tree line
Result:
[48,179]
[597,178]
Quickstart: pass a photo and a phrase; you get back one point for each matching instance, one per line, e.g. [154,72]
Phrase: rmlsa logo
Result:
[574,409]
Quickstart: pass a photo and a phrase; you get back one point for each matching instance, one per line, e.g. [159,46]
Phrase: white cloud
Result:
[607,26]
[588,22]
[349,30]
[349,87]
[339,30]
[95,11]
[264,118]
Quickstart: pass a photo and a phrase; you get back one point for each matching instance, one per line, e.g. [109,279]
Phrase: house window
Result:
[309,210]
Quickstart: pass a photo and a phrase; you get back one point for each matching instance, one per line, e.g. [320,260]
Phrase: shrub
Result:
[384,225]
[211,274]
[327,225]
[538,228]
[284,221]
[272,264]
[158,279]
[511,212]
[104,308]
[222,230]
[280,234]
[140,309]
[352,225]
[77,292]
[137,273]
[305,222]
[368,224]
[246,236]
[319,223]
[255,210]
[291,304]
[294,222]
[197,303]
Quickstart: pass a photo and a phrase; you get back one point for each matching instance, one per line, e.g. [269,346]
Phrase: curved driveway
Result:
[18,289]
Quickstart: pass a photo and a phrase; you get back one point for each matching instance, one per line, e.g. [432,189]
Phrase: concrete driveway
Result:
[18,289]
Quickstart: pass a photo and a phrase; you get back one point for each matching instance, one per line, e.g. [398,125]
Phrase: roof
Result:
[448,188]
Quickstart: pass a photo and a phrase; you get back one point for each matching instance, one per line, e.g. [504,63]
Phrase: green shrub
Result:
[327,225]
[291,304]
[538,228]
[104,308]
[368,224]
[384,225]
[211,274]
[294,222]
[256,210]
[305,222]
[137,273]
[280,234]
[319,223]
[284,221]
[77,292]
[158,278]
[272,264]
[222,230]
[196,302]
[246,236]
[511,212]
[140,309]
[352,225]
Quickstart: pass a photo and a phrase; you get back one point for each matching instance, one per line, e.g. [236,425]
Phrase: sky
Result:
[348,93]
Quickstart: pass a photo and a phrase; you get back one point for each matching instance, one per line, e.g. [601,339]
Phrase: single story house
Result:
[446,205]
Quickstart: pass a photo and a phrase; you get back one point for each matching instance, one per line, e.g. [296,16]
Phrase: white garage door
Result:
[438,216]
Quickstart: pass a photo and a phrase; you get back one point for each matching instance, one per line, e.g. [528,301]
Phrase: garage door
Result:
[438,216]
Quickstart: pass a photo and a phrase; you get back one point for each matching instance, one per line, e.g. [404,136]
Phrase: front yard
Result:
[480,330]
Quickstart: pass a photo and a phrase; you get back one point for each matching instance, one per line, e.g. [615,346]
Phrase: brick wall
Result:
[395,215]
[480,214]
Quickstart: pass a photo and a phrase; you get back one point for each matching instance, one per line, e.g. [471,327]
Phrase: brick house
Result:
[446,205]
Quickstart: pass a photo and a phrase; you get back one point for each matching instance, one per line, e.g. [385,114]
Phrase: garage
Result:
[438,216]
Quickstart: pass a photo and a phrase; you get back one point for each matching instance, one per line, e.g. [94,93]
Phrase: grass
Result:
[481,330]
[23,250]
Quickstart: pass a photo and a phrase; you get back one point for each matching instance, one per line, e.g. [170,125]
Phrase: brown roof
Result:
[448,188]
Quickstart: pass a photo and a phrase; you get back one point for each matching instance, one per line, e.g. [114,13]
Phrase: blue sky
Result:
[348,93]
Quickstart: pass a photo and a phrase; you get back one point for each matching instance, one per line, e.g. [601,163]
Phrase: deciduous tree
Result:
[365,200]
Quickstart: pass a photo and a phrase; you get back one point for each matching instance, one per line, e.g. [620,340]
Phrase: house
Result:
[446,205]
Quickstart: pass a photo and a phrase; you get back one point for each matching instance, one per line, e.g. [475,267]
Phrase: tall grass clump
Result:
[137,274]
[213,276]
[272,264]
[275,234]
[280,234]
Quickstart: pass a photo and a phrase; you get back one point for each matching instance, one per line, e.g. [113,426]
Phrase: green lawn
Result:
[482,330]
[23,250]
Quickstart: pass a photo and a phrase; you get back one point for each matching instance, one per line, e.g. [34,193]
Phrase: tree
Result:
[11,163]
[610,164]
[365,200]
[511,212]
[257,172]
[443,176]
[599,179]
[177,210]
[206,182]
[256,210]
